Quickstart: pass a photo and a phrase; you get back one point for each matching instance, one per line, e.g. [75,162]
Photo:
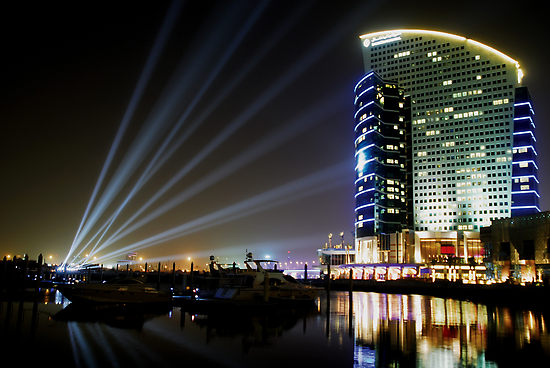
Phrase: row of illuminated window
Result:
[450,160]
[425,191]
[460,199]
[501,101]
[469,146]
[420,59]
[384,52]
[430,212]
[401,54]
[523,179]
[459,92]
[388,189]
[497,135]
[485,100]
[459,126]
[443,207]
[420,105]
[463,170]
[433,199]
[410,71]
[467,114]
[467,93]
[409,81]
[521,149]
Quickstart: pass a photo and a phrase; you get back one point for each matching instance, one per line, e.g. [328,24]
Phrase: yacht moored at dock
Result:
[260,281]
[117,291]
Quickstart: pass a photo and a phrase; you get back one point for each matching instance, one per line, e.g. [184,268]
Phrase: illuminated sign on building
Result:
[380,40]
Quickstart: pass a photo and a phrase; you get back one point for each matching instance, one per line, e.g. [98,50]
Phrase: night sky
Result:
[267,140]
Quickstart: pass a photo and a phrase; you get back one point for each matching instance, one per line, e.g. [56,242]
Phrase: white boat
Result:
[117,291]
[260,281]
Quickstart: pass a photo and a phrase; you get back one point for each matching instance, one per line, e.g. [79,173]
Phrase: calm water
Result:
[366,330]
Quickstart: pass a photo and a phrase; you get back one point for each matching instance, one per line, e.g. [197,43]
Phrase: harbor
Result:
[340,329]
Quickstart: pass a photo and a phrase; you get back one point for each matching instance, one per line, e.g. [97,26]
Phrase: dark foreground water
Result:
[366,330]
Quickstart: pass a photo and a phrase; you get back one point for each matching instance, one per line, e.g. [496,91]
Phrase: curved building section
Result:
[462,132]
[525,183]
[381,117]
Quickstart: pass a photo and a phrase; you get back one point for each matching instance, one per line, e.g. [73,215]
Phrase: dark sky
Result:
[268,148]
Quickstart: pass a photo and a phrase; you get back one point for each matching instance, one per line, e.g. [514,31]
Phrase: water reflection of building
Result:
[404,330]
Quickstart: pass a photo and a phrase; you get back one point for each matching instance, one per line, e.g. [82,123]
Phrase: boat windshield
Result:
[264,263]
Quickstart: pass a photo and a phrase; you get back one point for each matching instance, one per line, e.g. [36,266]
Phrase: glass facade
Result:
[525,183]
[381,119]
[470,118]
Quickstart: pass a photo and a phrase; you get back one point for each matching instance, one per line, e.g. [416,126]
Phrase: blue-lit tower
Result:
[382,114]
[525,196]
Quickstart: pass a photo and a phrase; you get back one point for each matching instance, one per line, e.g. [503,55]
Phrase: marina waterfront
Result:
[361,329]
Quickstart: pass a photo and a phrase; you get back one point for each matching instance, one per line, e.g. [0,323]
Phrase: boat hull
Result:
[274,294]
[100,294]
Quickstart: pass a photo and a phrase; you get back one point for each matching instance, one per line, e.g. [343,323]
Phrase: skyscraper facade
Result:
[381,119]
[472,143]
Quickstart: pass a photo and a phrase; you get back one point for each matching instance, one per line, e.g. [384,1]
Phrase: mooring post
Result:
[305,272]
[328,274]
[173,275]
[191,274]
[101,274]
[350,279]
[158,278]
[266,287]
[127,270]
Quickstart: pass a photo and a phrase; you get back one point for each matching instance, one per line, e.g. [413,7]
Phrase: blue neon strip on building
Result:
[381,178]
[525,196]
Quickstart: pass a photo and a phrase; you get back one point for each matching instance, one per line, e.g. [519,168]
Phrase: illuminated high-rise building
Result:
[381,119]
[472,142]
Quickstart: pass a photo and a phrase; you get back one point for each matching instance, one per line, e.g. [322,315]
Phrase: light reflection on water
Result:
[364,330]
[414,330]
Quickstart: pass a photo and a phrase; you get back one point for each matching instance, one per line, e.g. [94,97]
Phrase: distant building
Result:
[518,248]
[336,254]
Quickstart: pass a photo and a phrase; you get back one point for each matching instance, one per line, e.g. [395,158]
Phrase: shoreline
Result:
[530,296]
